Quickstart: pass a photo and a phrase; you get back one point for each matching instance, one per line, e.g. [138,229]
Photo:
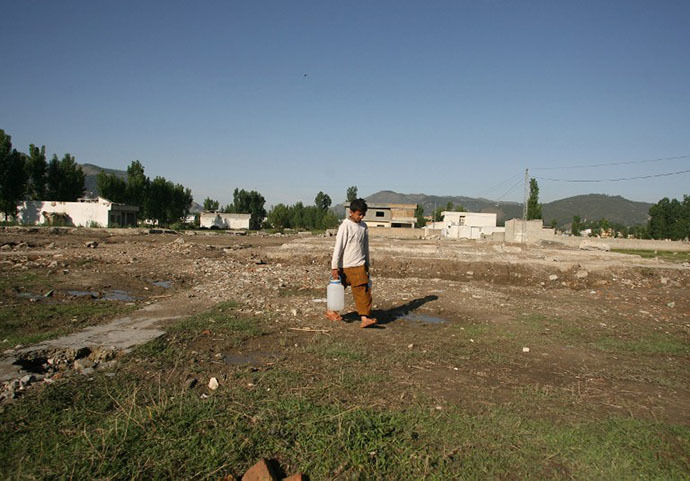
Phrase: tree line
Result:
[32,177]
[159,199]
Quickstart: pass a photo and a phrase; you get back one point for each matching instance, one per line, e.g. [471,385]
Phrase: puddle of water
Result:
[29,295]
[163,284]
[92,294]
[117,295]
[411,316]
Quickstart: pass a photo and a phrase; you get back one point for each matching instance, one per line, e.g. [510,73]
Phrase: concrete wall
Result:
[477,219]
[531,231]
[222,220]
[395,233]
[79,214]
[642,244]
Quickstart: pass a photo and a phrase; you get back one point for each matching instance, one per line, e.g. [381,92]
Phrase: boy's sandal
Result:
[334,316]
[368,323]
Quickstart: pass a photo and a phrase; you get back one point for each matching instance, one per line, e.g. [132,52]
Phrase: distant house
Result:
[467,225]
[222,220]
[98,212]
[389,215]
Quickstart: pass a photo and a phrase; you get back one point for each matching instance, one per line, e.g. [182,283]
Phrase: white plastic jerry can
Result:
[335,295]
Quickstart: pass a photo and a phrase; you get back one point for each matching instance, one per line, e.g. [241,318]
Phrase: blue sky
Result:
[293,98]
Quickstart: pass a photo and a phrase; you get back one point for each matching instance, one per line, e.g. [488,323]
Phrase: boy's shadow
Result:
[384,316]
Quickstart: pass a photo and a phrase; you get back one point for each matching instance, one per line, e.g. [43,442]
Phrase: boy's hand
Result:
[335,274]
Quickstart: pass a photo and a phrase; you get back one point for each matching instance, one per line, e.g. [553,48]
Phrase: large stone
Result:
[587,245]
[261,471]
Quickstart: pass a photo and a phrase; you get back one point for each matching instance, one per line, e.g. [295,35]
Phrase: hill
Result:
[588,207]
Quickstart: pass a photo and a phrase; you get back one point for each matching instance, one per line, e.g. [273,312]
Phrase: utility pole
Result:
[524,208]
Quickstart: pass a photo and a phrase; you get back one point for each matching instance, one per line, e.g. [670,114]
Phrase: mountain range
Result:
[589,207]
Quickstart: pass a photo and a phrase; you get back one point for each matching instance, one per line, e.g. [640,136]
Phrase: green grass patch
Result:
[134,428]
[31,322]
[655,343]
[670,256]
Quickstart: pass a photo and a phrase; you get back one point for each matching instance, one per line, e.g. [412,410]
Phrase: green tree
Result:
[554,224]
[210,205]
[533,205]
[419,215]
[351,193]
[37,166]
[112,187]
[322,201]
[576,226]
[13,177]
[670,219]
[280,217]
[64,179]
[252,203]
[137,185]
[437,215]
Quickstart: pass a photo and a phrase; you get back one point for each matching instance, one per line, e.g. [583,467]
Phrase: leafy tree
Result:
[533,205]
[64,179]
[322,201]
[13,177]
[437,216]
[419,214]
[112,187]
[252,203]
[670,219]
[137,185]
[37,166]
[280,217]
[576,226]
[554,224]
[351,193]
[210,205]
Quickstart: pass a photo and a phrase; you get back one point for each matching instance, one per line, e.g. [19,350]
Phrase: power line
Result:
[617,180]
[500,185]
[613,163]
[520,181]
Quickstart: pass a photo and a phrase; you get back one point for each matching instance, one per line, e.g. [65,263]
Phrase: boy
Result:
[350,262]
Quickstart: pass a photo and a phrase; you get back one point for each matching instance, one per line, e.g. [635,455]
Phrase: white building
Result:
[222,220]
[528,231]
[97,212]
[467,225]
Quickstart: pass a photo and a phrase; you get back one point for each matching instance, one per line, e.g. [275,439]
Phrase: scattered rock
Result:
[525,349]
[553,277]
[671,305]
[91,244]
[213,384]
[81,365]
[587,245]
[179,240]
[581,274]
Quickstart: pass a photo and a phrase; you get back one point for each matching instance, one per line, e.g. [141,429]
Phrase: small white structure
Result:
[97,212]
[528,231]
[222,220]
[467,225]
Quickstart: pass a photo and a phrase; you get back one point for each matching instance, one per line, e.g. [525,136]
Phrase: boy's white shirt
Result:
[351,245]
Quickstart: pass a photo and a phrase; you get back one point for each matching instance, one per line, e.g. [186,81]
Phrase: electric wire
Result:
[500,185]
[510,189]
[613,163]
[666,174]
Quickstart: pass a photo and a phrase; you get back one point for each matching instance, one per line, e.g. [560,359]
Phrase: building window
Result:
[380,213]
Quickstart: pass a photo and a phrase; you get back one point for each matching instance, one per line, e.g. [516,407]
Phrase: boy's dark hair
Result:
[360,205]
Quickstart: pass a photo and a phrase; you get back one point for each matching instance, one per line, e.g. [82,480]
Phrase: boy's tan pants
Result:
[358,279]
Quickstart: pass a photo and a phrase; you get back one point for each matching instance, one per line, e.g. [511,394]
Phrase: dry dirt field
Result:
[555,335]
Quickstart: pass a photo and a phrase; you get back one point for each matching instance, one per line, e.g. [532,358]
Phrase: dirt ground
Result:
[467,323]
